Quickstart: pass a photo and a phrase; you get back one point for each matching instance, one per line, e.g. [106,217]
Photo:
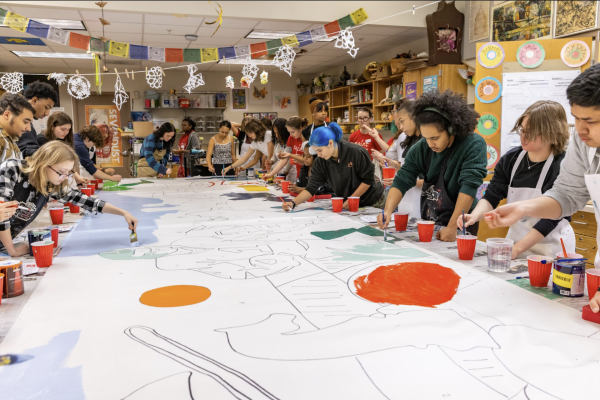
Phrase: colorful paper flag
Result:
[98,45]
[332,29]
[290,40]
[17,22]
[58,35]
[304,38]
[211,54]
[359,16]
[138,52]
[156,53]
[38,29]
[79,41]
[227,52]
[346,22]
[242,52]
[318,33]
[273,45]
[173,55]
[191,55]
[3,13]
[118,49]
[258,49]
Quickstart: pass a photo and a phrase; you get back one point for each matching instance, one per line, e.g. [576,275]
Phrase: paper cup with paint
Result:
[86,191]
[92,187]
[499,254]
[539,273]
[466,246]
[285,186]
[337,203]
[42,252]
[73,209]
[401,221]
[425,229]
[57,214]
[353,203]
[54,235]
[593,281]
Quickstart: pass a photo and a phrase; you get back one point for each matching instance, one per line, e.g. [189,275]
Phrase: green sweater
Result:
[465,169]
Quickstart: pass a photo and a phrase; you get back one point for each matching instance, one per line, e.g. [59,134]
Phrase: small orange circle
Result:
[175,296]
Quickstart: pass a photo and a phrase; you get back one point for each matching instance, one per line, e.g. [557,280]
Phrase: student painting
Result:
[221,150]
[305,173]
[452,158]
[42,98]
[239,132]
[281,155]
[188,141]
[366,136]
[84,144]
[154,155]
[346,166]
[319,111]
[576,183]
[15,120]
[525,173]
[37,179]
[292,157]
[261,145]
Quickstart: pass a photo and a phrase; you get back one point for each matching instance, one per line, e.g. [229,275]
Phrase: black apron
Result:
[31,203]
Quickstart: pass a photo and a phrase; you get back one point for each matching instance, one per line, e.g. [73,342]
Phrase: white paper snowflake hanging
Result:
[154,77]
[346,41]
[284,58]
[58,77]
[229,82]
[12,82]
[264,77]
[194,80]
[250,71]
[121,95]
[78,87]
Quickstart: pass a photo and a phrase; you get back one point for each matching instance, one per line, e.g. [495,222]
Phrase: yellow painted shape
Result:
[256,188]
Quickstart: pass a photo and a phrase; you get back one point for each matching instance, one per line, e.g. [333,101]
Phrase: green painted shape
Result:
[127,254]
[110,186]
[545,292]
[377,251]
[115,188]
[365,230]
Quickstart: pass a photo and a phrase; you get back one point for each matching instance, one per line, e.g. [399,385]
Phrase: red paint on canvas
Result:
[412,283]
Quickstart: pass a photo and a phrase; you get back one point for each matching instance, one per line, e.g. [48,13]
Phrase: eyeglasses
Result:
[61,176]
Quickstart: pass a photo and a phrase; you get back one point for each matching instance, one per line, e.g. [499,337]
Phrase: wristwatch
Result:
[294,205]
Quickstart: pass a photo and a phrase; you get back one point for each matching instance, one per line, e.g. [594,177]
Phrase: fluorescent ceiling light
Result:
[71,25]
[270,35]
[41,54]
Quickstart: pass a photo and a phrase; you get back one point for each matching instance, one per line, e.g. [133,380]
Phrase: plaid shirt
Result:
[10,175]
[147,152]
[9,146]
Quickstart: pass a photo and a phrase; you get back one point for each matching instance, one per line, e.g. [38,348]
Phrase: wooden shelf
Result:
[346,106]
[385,105]
[362,104]
[389,78]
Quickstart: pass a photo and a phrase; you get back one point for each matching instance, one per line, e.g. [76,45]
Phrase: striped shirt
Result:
[8,147]
[147,152]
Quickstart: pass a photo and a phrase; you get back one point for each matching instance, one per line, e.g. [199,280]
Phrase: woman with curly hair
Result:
[281,157]
[452,158]
[261,146]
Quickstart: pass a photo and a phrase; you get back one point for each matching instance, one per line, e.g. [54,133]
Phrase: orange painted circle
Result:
[175,296]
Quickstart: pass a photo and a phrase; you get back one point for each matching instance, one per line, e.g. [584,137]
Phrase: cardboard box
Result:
[142,128]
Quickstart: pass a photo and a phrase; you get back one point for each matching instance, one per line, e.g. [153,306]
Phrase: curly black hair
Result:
[453,112]
[583,91]
[191,122]
[282,132]
[15,103]
[41,90]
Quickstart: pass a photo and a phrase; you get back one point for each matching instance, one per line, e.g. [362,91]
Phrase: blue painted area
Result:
[45,375]
[105,232]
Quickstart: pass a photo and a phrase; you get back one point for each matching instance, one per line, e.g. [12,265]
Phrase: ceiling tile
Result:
[171,20]
[112,16]
[212,42]
[415,32]
[314,46]
[235,23]
[116,27]
[51,13]
[359,39]
[13,47]
[224,32]
[11,63]
[329,52]
[6,31]
[316,58]
[121,37]
[152,38]
[248,41]
[379,30]
[154,29]
[283,26]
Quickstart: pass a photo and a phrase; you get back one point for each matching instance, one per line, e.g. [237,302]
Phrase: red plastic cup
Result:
[401,221]
[95,183]
[425,230]
[312,199]
[466,246]
[86,191]
[337,203]
[1,286]
[56,215]
[54,233]
[353,203]
[539,273]
[285,186]
[569,255]
[92,186]
[389,172]
[593,281]
[42,252]
[100,183]
[73,209]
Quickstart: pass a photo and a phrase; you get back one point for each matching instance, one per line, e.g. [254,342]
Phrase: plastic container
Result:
[568,278]
[400,221]
[499,254]
[353,203]
[389,173]
[56,215]
[184,103]
[593,281]
[54,235]
[285,186]
[337,203]
[42,252]
[466,246]
[93,187]
[425,229]
[73,209]
[86,191]
[539,273]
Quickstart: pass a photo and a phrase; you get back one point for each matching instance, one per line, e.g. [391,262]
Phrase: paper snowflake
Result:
[121,95]
[194,80]
[284,58]
[58,77]
[264,77]
[250,71]
[78,87]
[346,41]
[229,82]
[154,77]
[12,82]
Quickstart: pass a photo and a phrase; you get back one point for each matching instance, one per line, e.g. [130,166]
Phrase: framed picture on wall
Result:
[239,99]
[571,17]
[521,20]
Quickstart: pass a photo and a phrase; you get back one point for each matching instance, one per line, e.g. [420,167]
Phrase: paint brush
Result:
[562,259]
[464,229]
[8,359]
[133,239]
[562,243]
[383,221]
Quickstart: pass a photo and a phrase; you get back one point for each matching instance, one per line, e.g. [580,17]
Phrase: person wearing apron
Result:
[154,154]
[319,111]
[262,145]
[83,143]
[452,158]
[48,168]
[291,157]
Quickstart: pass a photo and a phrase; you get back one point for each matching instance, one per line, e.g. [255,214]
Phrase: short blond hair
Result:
[52,153]
[548,119]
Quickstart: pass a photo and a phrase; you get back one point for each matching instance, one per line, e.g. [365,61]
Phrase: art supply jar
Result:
[568,278]
[499,254]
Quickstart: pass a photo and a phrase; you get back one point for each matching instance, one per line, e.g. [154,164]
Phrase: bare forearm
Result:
[384,146]
[297,157]
[463,202]
[362,188]
[302,197]
[532,238]
[393,199]
[541,207]
[101,175]
[6,240]
[483,207]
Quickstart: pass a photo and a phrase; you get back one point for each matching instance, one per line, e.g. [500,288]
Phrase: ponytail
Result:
[323,134]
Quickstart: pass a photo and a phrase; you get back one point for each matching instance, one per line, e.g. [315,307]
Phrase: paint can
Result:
[568,278]
[250,173]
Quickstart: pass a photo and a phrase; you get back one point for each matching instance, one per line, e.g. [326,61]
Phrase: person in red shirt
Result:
[362,136]
[294,151]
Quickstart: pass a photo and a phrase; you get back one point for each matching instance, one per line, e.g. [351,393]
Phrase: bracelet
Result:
[294,205]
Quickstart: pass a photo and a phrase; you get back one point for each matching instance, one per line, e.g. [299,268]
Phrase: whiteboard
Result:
[522,89]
